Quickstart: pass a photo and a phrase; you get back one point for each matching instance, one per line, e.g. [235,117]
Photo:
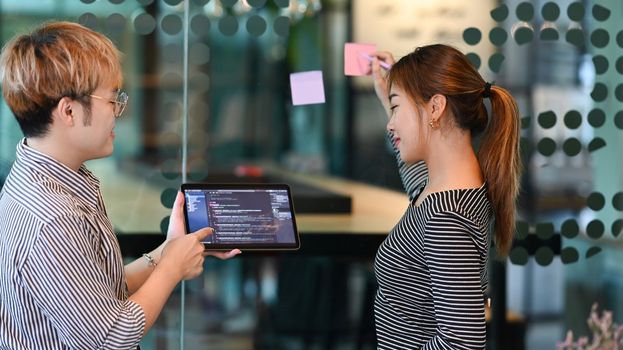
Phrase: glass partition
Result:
[211,100]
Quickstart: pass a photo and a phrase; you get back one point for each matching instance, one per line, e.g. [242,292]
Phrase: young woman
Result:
[431,269]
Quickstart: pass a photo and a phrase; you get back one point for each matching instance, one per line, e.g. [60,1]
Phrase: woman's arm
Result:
[454,262]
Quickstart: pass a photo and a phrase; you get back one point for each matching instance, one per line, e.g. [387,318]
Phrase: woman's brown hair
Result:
[441,69]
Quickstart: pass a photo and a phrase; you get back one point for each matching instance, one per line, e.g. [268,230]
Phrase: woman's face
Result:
[409,125]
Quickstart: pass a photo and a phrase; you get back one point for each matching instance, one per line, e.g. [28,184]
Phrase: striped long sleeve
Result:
[62,283]
[454,262]
[431,269]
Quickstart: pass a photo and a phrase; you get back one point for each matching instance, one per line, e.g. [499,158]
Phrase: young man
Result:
[62,281]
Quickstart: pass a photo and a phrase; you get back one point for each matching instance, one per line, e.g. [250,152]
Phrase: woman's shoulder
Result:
[468,207]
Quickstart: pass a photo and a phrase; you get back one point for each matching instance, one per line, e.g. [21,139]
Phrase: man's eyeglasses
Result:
[120,102]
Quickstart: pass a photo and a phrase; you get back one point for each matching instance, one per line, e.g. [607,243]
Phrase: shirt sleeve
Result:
[455,271]
[413,176]
[63,276]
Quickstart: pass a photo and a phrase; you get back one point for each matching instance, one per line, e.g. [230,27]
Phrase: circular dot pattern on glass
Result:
[172,53]
[115,22]
[544,256]
[569,255]
[572,146]
[282,25]
[522,229]
[164,225]
[600,38]
[550,34]
[200,24]
[596,117]
[472,35]
[525,122]
[600,13]
[546,146]
[495,62]
[144,24]
[575,11]
[474,59]
[228,25]
[519,256]
[199,54]
[550,11]
[575,36]
[573,119]
[171,24]
[525,11]
[170,169]
[545,230]
[523,35]
[619,65]
[595,229]
[167,198]
[592,251]
[596,144]
[498,36]
[570,228]
[89,20]
[500,13]
[198,170]
[618,92]
[617,227]
[596,201]
[601,64]
[618,119]
[547,119]
[256,25]
[600,92]
[617,201]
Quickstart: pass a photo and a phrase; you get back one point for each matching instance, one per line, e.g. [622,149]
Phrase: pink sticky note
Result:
[355,61]
[307,88]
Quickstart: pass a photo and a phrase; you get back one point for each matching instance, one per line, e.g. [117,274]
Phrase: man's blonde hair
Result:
[56,60]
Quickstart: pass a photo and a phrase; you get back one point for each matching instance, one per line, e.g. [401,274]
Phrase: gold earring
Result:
[434,124]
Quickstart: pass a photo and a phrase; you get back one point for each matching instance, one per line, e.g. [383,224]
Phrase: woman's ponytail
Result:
[501,164]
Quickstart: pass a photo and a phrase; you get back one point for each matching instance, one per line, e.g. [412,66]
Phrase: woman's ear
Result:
[438,105]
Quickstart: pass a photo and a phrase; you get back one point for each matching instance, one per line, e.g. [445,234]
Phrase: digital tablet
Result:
[243,216]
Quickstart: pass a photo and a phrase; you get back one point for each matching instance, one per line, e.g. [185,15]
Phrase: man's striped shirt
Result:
[431,269]
[62,283]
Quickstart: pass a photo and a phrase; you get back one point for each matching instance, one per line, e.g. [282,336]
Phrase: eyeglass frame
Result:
[121,101]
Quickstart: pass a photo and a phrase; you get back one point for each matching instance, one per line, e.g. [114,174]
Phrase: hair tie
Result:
[486,93]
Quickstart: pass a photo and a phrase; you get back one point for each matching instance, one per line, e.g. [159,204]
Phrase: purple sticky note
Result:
[357,58]
[307,88]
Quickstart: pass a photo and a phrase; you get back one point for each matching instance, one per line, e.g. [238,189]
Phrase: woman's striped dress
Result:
[431,269]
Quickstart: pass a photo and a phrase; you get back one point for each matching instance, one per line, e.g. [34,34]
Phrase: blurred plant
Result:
[606,334]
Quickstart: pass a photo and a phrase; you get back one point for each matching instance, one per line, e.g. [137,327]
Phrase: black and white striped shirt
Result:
[431,269]
[62,283]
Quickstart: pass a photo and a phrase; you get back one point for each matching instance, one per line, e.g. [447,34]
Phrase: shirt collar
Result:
[81,183]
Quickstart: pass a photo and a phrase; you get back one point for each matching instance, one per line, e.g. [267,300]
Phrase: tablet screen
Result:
[244,216]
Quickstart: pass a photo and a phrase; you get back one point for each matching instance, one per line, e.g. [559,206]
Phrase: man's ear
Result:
[437,105]
[64,112]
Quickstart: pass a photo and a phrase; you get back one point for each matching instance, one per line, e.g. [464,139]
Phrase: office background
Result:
[209,93]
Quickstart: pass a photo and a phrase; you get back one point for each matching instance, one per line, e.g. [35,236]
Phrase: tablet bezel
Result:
[245,186]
